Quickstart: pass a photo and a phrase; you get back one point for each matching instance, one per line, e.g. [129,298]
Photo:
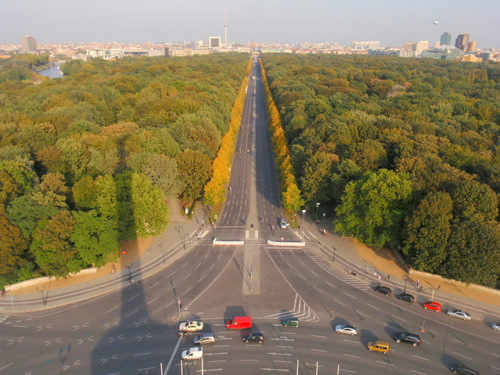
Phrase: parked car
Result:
[290,322]
[434,306]
[204,338]
[191,326]
[192,353]
[383,289]
[463,370]
[406,297]
[254,337]
[346,329]
[495,326]
[408,338]
[459,314]
[378,346]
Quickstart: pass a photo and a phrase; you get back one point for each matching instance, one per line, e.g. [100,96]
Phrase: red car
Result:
[434,306]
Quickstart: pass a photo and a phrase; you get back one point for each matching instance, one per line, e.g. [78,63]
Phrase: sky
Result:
[392,22]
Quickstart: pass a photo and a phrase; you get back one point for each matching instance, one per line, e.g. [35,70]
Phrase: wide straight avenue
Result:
[134,330]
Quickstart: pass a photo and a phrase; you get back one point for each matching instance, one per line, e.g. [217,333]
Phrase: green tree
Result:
[373,208]
[52,246]
[95,237]
[195,168]
[12,245]
[428,230]
[472,198]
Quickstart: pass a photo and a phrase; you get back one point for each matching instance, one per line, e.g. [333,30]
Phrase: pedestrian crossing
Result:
[300,310]
[337,271]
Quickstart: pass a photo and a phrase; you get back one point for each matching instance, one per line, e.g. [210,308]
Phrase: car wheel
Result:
[414,344]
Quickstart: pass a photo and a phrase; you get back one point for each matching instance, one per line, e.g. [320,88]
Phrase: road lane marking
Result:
[217,360]
[355,342]
[133,312]
[286,354]
[314,273]
[248,360]
[130,299]
[461,355]
[417,356]
[318,350]
[4,367]
[275,369]
[353,356]
[348,295]
[333,286]
[385,363]
[185,277]
[145,368]
[340,303]
[221,353]
[373,307]
[323,337]
[319,290]
[418,372]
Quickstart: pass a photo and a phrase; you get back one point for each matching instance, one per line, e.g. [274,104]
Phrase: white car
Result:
[495,326]
[346,329]
[204,338]
[459,314]
[192,353]
[191,326]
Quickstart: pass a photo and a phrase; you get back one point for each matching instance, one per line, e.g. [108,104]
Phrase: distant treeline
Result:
[89,160]
[402,152]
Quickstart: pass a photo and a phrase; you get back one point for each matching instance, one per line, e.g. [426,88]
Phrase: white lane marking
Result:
[495,368]
[461,355]
[248,360]
[314,273]
[4,367]
[207,370]
[139,354]
[385,363]
[418,372]
[397,317]
[284,346]
[302,277]
[130,299]
[350,355]
[223,353]
[333,286]
[353,372]
[373,307]
[323,337]
[417,356]
[114,308]
[18,326]
[145,368]
[347,340]
[185,277]
[280,361]
[319,290]
[286,354]
[318,350]
[340,303]
[150,302]
[217,360]
[155,284]
[133,312]
[348,295]
[172,356]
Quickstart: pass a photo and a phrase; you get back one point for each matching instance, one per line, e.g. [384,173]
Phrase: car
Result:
[495,326]
[192,353]
[191,326]
[434,306]
[346,329]
[204,338]
[378,346]
[383,289]
[253,337]
[463,370]
[406,297]
[459,314]
[283,224]
[290,322]
[408,338]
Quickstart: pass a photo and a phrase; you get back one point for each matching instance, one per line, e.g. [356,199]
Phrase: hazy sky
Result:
[392,22]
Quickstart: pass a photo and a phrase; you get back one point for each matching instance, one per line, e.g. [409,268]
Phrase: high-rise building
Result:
[214,42]
[462,42]
[28,43]
[421,46]
[446,39]
[472,45]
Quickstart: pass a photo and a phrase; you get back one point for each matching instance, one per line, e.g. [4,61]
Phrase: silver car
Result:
[459,314]
[346,329]
[495,326]
[205,338]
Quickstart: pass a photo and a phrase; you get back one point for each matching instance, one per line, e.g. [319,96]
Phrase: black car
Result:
[408,338]
[406,297]
[254,337]
[384,290]
[463,370]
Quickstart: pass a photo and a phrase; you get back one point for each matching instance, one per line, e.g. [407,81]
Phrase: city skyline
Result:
[392,22]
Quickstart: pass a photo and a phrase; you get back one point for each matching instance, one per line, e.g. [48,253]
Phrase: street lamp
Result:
[303,215]
[317,209]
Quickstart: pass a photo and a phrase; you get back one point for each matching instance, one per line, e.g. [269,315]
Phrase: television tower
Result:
[225,27]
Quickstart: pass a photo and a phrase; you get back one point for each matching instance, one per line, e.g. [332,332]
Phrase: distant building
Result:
[28,43]
[214,42]
[419,47]
[462,42]
[374,44]
[446,39]
[444,52]
[472,45]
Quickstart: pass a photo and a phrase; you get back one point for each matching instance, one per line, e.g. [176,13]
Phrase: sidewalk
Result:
[367,260]
[142,258]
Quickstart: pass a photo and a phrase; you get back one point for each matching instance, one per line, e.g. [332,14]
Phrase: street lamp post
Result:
[179,306]
[303,215]
[317,209]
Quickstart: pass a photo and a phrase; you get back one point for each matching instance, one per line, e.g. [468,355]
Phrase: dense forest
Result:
[402,152]
[90,159]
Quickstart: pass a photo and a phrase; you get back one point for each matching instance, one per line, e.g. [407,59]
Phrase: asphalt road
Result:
[134,330]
